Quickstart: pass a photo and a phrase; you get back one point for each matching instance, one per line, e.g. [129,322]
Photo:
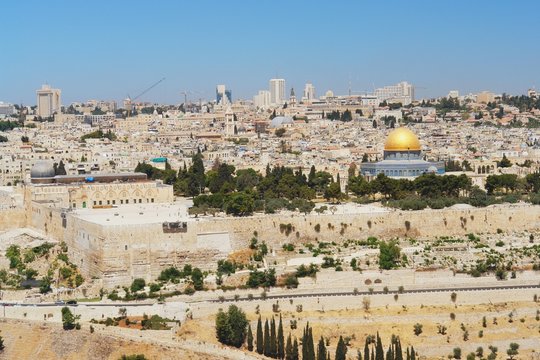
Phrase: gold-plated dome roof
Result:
[402,139]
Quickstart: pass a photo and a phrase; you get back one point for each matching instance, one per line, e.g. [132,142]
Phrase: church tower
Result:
[292,98]
[230,122]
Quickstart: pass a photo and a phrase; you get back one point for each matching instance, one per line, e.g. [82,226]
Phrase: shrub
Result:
[137,284]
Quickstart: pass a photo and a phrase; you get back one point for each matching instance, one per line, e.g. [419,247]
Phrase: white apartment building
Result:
[6,109]
[262,99]
[48,101]
[454,94]
[402,92]
[277,91]
[309,93]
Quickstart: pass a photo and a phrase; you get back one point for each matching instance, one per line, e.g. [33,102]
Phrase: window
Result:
[114,202]
[74,205]
[152,200]
[127,201]
[108,202]
[125,247]
[122,201]
[140,201]
[95,202]
[100,202]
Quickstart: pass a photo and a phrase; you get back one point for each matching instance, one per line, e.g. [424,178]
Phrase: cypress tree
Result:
[249,339]
[280,340]
[321,350]
[398,353]
[389,355]
[304,342]
[267,347]
[366,351]
[379,351]
[260,341]
[341,349]
[288,348]
[413,354]
[310,345]
[408,354]
[358,355]
[372,353]
[273,339]
[295,354]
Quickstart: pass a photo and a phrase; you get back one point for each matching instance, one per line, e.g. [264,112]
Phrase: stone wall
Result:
[120,253]
[338,227]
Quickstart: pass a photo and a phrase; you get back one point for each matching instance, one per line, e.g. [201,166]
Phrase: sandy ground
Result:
[332,317]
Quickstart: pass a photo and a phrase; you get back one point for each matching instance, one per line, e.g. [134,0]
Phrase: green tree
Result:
[68,319]
[240,204]
[321,350]
[2,346]
[512,350]
[280,340]
[333,192]
[295,355]
[288,348]
[341,349]
[273,338]
[197,278]
[231,327]
[389,254]
[137,284]
[505,163]
[280,132]
[249,338]
[267,347]
[260,341]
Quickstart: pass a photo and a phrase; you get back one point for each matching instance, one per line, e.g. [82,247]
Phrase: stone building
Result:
[402,158]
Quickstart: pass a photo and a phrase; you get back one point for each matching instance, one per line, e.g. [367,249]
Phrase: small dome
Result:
[42,169]
[402,139]
[280,121]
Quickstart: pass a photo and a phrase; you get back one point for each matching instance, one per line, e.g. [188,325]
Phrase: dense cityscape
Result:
[297,221]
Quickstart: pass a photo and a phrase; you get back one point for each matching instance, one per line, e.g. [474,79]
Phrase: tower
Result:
[277,91]
[292,98]
[230,122]
[48,101]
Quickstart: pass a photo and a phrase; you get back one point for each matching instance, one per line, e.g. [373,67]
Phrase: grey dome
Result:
[42,169]
[279,121]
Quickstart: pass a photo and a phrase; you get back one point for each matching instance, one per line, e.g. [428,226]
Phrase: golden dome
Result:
[402,139]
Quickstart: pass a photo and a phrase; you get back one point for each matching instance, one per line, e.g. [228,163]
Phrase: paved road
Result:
[128,304]
[305,295]
[358,293]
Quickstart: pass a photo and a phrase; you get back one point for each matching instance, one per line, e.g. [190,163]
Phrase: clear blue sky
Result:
[106,49]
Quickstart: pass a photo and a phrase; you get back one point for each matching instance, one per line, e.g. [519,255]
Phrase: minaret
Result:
[230,123]
[292,98]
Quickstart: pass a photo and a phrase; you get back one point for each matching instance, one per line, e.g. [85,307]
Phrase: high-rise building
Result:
[454,94]
[6,109]
[309,93]
[48,101]
[277,91]
[402,92]
[262,99]
[223,96]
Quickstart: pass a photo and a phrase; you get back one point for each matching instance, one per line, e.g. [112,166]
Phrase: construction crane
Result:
[131,100]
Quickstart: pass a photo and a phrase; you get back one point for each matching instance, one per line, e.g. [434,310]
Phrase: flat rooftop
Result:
[135,214]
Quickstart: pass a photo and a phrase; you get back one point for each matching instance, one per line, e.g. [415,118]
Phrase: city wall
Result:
[412,224]
[119,253]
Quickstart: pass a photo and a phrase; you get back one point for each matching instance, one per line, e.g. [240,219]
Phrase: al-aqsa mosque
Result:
[402,158]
